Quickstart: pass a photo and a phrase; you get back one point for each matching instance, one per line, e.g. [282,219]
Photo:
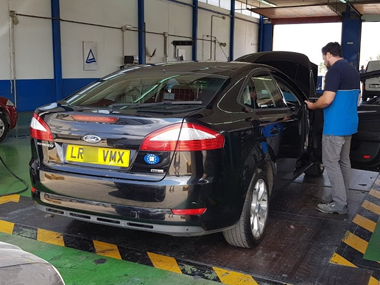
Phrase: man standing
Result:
[362,70]
[339,102]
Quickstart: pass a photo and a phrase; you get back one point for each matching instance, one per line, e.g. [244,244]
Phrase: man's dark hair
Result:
[334,48]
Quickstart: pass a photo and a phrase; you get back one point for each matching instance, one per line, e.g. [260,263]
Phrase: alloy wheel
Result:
[259,208]
[2,127]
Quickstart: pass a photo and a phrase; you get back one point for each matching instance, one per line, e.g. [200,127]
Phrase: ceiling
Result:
[285,11]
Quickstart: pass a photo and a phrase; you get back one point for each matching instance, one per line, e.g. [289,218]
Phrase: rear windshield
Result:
[129,88]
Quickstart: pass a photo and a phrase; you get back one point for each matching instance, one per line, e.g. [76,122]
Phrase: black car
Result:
[182,149]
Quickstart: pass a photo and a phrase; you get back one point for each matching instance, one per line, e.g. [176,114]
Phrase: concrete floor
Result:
[301,246]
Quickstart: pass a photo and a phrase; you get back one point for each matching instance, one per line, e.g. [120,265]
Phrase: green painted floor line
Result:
[373,249]
[15,152]
[193,270]
[78,267]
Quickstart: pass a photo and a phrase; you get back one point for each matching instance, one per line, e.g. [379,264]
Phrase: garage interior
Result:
[301,245]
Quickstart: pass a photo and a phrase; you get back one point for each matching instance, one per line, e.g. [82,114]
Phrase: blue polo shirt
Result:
[341,116]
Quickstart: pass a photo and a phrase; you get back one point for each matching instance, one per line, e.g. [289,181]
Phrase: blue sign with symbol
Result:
[90,57]
[151,158]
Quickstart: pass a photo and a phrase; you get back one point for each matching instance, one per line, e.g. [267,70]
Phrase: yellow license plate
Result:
[98,155]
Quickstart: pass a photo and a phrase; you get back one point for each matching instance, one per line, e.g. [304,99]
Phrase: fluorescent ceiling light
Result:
[268,3]
[343,1]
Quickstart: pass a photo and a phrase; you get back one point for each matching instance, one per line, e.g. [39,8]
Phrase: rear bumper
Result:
[174,230]
[137,205]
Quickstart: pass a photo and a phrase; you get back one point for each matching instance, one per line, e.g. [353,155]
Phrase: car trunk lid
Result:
[128,144]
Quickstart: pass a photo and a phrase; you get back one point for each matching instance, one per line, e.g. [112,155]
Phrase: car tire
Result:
[249,230]
[4,127]
[316,169]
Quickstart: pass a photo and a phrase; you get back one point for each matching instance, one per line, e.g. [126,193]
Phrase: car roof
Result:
[217,68]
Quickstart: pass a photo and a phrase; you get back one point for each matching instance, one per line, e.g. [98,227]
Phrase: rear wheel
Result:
[249,230]
[3,127]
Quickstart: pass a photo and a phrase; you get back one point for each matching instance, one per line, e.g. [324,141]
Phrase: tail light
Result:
[183,137]
[39,129]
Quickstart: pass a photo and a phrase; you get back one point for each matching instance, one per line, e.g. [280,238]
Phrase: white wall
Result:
[4,41]
[246,38]
[112,14]
[220,30]
[164,16]
[33,34]
[33,40]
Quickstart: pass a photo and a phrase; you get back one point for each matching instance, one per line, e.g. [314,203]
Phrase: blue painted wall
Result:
[5,90]
[33,93]
[72,85]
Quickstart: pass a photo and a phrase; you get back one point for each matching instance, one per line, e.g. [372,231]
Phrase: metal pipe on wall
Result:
[166,46]
[13,22]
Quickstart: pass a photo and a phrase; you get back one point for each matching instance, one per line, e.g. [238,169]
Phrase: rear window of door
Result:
[261,92]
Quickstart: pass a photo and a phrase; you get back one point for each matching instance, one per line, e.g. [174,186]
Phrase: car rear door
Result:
[283,123]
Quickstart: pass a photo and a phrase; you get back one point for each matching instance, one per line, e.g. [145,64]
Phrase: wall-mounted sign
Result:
[90,55]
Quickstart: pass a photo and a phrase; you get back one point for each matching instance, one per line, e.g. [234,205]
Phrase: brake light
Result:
[199,211]
[183,137]
[34,190]
[367,156]
[97,119]
[39,129]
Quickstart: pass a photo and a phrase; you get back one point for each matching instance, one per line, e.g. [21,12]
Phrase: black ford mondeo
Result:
[181,149]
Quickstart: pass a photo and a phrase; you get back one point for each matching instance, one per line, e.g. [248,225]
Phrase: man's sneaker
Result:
[332,207]
[326,199]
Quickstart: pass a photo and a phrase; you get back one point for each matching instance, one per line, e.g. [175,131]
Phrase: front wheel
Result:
[249,230]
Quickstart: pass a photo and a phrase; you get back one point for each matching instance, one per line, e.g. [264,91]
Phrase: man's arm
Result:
[322,102]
